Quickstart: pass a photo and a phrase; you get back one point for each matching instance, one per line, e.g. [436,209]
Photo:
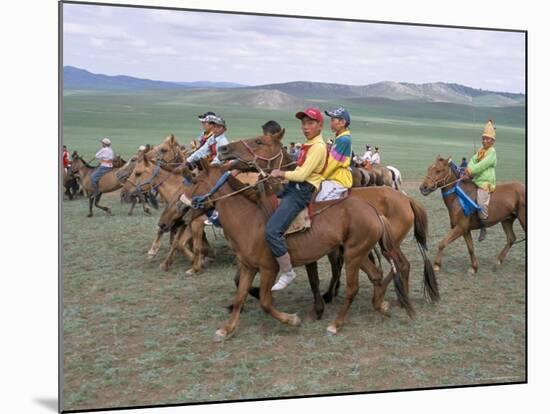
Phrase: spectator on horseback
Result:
[207,128]
[210,147]
[105,156]
[367,156]
[297,194]
[337,175]
[375,160]
[481,169]
[66,162]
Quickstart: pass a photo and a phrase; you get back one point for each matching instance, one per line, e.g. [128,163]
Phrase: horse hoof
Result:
[90,215]
[221,335]
[331,330]
[164,266]
[294,320]
[471,271]
[190,272]
[385,307]
[437,269]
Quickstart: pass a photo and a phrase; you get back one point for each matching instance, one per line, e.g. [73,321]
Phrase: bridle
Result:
[159,164]
[257,157]
[441,183]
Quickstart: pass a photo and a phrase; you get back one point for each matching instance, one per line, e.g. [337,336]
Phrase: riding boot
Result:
[287,272]
[482,230]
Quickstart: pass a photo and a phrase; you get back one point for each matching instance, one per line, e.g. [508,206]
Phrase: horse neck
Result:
[84,170]
[450,200]
[170,184]
[236,210]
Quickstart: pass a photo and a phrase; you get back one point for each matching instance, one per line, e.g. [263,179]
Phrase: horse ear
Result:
[449,159]
[145,160]
[279,135]
[172,138]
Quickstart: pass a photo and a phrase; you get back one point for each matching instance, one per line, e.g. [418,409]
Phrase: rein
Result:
[198,202]
[443,182]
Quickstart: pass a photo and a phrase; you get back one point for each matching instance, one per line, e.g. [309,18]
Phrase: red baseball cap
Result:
[313,113]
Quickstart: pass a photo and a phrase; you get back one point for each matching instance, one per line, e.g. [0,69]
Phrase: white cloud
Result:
[259,49]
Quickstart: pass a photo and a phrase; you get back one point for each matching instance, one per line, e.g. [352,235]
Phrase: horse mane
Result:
[85,163]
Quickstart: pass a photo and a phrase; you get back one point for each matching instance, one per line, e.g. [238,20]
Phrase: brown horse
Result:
[70,184]
[265,153]
[347,222]
[108,182]
[507,204]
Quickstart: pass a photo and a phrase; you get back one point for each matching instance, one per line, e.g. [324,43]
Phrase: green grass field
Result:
[410,134]
[135,335]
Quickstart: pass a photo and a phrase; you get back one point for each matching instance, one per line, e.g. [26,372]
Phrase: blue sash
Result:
[468,205]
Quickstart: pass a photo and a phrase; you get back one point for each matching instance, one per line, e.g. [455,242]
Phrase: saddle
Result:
[304,218]
[301,222]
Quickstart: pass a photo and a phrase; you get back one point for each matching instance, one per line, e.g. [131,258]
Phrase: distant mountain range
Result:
[280,94]
[76,78]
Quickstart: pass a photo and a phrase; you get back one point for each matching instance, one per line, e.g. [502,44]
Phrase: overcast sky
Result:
[186,46]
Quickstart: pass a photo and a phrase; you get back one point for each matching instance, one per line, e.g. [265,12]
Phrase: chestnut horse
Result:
[265,153]
[347,222]
[108,182]
[507,204]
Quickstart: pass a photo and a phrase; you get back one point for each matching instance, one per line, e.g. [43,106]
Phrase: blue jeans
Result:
[96,176]
[296,197]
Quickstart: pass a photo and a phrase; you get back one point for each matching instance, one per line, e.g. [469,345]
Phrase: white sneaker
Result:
[284,280]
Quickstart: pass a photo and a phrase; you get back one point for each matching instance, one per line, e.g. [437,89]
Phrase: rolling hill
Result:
[279,95]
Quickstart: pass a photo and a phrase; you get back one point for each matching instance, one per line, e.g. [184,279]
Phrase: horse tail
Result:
[421,236]
[388,250]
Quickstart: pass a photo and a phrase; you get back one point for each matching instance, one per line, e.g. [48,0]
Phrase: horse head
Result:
[438,175]
[256,154]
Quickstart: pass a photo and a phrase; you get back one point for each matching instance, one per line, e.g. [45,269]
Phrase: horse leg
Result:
[508,227]
[336,260]
[245,281]
[267,280]
[197,230]
[473,259]
[169,260]
[146,209]
[375,276]
[91,199]
[105,209]
[132,206]
[154,249]
[352,286]
[405,269]
[313,277]
[454,234]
